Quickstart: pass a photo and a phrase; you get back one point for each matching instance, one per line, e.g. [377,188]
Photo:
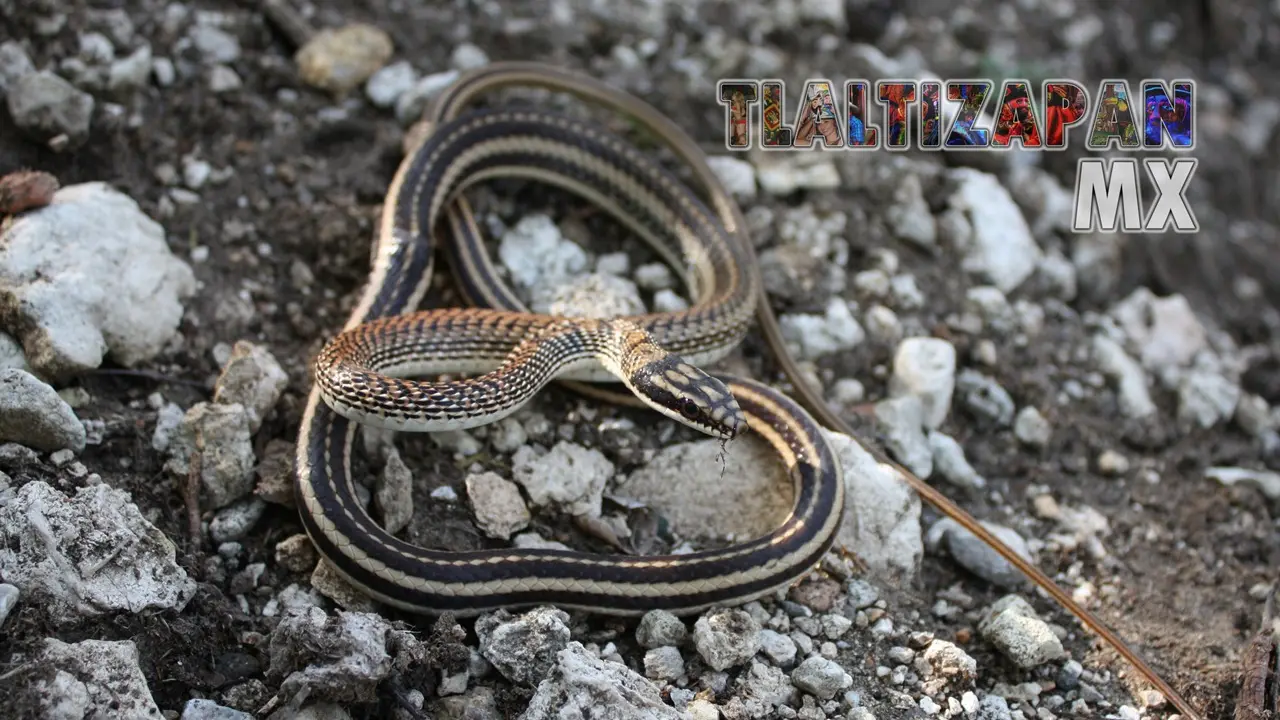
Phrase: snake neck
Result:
[369,374]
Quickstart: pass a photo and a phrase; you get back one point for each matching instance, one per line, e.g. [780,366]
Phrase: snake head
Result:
[684,393]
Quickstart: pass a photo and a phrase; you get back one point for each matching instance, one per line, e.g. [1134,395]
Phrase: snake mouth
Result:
[726,419]
[734,423]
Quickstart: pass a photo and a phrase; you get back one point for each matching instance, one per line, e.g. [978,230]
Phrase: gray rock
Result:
[222,79]
[984,397]
[253,378]
[478,703]
[343,658]
[1031,428]
[1126,374]
[14,63]
[1002,250]
[781,174]
[468,56]
[759,495]
[663,663]
[453,684]
[1057,276]
[726,638]
[778,647]
[11,355]
[1267,482]
[539,257]
[994,707]
[820,677]
[1165,330]
[737,176]
[902,422]
[114,23]
[569,476]
[88,555]
[237,520]
[1253,414]
[861,594]
[1068,677]
[988,303]
[92,678]
[814,336]
[1206,398]
[901,655]
[386,86]
[763,690]
[168,420]
[130,73]
[950,661]
[220,435]
[1013,628]
[925,368]
[949,462]
[594,295]
[658,628]
[884,523]
[524,649]
[507,435]
[87,276]
[199,709]
[581,685]
[978,557]
[15,455]
[214,44]
[909,215]
[393,495]
[799,275]
[45,106]
[33,414]
[9,595]
[500,510]
[1045,203]
[163,70]
[616,263]
[835,626]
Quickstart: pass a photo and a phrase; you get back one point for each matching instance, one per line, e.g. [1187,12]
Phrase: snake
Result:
[656,358]
[496,355]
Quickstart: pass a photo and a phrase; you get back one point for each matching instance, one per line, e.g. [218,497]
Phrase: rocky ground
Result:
[1104,401]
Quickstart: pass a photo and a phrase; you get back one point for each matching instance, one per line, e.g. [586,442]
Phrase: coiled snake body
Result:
[362,375]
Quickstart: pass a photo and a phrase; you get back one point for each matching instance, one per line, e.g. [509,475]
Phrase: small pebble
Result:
[901,655]
[8,599]
[1031,428]
[1112,463]
[778,647]
[659,628]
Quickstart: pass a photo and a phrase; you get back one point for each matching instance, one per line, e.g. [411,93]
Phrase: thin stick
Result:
[191,494]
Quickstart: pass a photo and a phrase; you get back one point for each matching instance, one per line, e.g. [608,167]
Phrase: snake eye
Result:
[689,409]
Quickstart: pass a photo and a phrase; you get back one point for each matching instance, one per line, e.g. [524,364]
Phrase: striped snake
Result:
[364,374]
[516,352]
